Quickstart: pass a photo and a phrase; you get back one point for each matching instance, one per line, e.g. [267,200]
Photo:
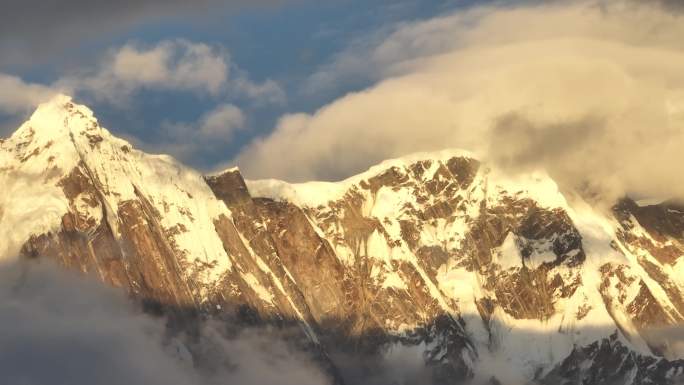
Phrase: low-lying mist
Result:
[64,328]
[61,328]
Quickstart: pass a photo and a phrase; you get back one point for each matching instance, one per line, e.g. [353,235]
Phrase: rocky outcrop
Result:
[618,365]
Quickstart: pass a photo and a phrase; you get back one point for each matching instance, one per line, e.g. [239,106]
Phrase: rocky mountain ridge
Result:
[493,277]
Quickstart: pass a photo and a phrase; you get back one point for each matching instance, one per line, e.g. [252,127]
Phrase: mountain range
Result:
[487,276]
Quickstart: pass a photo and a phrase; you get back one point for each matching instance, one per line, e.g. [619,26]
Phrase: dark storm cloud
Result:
[35,29]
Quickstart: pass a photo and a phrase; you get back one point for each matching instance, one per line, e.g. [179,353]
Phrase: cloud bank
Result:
[591,91]
[61,329]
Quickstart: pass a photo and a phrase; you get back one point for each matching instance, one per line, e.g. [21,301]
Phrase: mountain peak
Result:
[56,119]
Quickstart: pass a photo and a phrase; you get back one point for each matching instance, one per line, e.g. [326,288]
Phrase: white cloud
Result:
[169,65]
[145,67]
[17,96]
[222,122]
[593,92]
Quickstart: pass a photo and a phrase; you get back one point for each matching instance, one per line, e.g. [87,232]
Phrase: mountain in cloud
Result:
[433,262]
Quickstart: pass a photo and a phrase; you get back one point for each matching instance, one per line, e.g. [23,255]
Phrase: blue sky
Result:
[285,43]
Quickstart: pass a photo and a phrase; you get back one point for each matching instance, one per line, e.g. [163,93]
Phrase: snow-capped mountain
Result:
[493,277]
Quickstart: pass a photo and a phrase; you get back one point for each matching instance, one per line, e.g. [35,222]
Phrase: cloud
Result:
[383,52]
[221,122]
[17,96]
[267,92]
[197,66]
[62,329]
[168,65]
[213,130]
[591,91]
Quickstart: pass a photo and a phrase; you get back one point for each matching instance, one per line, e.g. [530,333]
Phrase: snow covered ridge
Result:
[315,193]
[537,184]
[609,282]
[486,273]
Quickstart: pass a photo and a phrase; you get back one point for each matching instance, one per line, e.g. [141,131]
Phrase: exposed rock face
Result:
[434,250]
[619,365]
